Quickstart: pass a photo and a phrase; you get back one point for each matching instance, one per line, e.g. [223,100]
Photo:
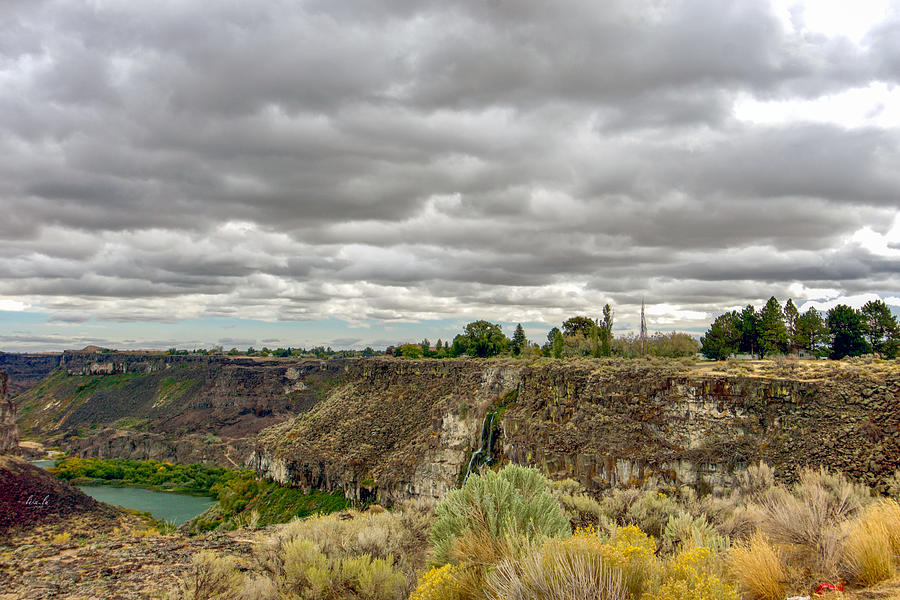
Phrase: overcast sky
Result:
[356,172]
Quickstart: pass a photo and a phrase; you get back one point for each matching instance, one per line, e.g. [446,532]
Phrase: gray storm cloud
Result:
[409,160]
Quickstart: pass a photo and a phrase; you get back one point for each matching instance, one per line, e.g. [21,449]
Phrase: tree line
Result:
[578,336]
[842,331]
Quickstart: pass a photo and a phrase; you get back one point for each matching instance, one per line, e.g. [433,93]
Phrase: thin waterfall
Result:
[487,441]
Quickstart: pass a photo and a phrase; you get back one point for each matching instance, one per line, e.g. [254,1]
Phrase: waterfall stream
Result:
[484,450]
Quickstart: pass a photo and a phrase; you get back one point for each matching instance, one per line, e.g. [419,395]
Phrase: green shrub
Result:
[652,511]
[211,577]
[684,532]
[493,507]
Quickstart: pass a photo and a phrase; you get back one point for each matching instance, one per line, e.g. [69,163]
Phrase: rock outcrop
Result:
[27,370]
[29,496]
[9,434]
[179,408]
[394,428]
[400,429]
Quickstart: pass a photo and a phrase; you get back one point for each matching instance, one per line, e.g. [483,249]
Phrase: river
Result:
[165,506]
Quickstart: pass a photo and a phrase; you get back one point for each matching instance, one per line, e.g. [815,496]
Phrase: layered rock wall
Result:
[9,434]
[26,370]
[395,428]
[401,429]
[177,408]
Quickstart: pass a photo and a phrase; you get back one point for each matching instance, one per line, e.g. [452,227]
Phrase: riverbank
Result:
[241,496]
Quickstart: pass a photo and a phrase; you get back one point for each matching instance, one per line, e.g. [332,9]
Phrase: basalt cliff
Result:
[389,429]
[184,409]
[9,435]
[396,429]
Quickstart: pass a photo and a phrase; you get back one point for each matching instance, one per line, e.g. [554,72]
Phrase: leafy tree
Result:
[812,332]
[558,344]
[518,340]
[673,345]
[368,351]
[551,337]
[481,339]
[606,327]
[880,328]
[847,329]
[596,349]
[749,326]
[577,325]
[411,351]
[772,332]
[791,315]
[723,338]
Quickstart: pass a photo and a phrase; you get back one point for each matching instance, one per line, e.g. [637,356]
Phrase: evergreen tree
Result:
[880,328]
[518,340]
[847,329]
[791,314]
[812,332]
[723,337]
[749,330]
[772,331]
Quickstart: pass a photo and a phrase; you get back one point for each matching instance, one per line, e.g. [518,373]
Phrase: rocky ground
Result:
[85,559]
[56,542]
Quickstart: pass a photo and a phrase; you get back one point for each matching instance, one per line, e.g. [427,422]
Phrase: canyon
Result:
[387,429]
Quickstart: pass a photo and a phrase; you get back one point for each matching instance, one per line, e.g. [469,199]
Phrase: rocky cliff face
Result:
[184,409]
[392,429]
[27,370]
[397,429]
[9,435]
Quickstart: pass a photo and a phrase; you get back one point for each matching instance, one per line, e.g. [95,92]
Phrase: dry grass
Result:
[758,568]
[806,521]
[559,570]
[871,543]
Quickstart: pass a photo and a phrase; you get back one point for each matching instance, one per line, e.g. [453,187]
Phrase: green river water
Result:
[165,506]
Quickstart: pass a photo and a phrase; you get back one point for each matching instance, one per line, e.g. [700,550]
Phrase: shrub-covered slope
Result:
[183,409]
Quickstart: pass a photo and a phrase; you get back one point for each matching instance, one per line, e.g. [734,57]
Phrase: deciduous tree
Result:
[578,325]
[606,327]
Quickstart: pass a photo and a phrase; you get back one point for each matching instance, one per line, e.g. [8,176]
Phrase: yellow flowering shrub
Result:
[691,575]
[439,583]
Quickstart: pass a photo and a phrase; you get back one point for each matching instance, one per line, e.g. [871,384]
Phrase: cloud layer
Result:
[394,160]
